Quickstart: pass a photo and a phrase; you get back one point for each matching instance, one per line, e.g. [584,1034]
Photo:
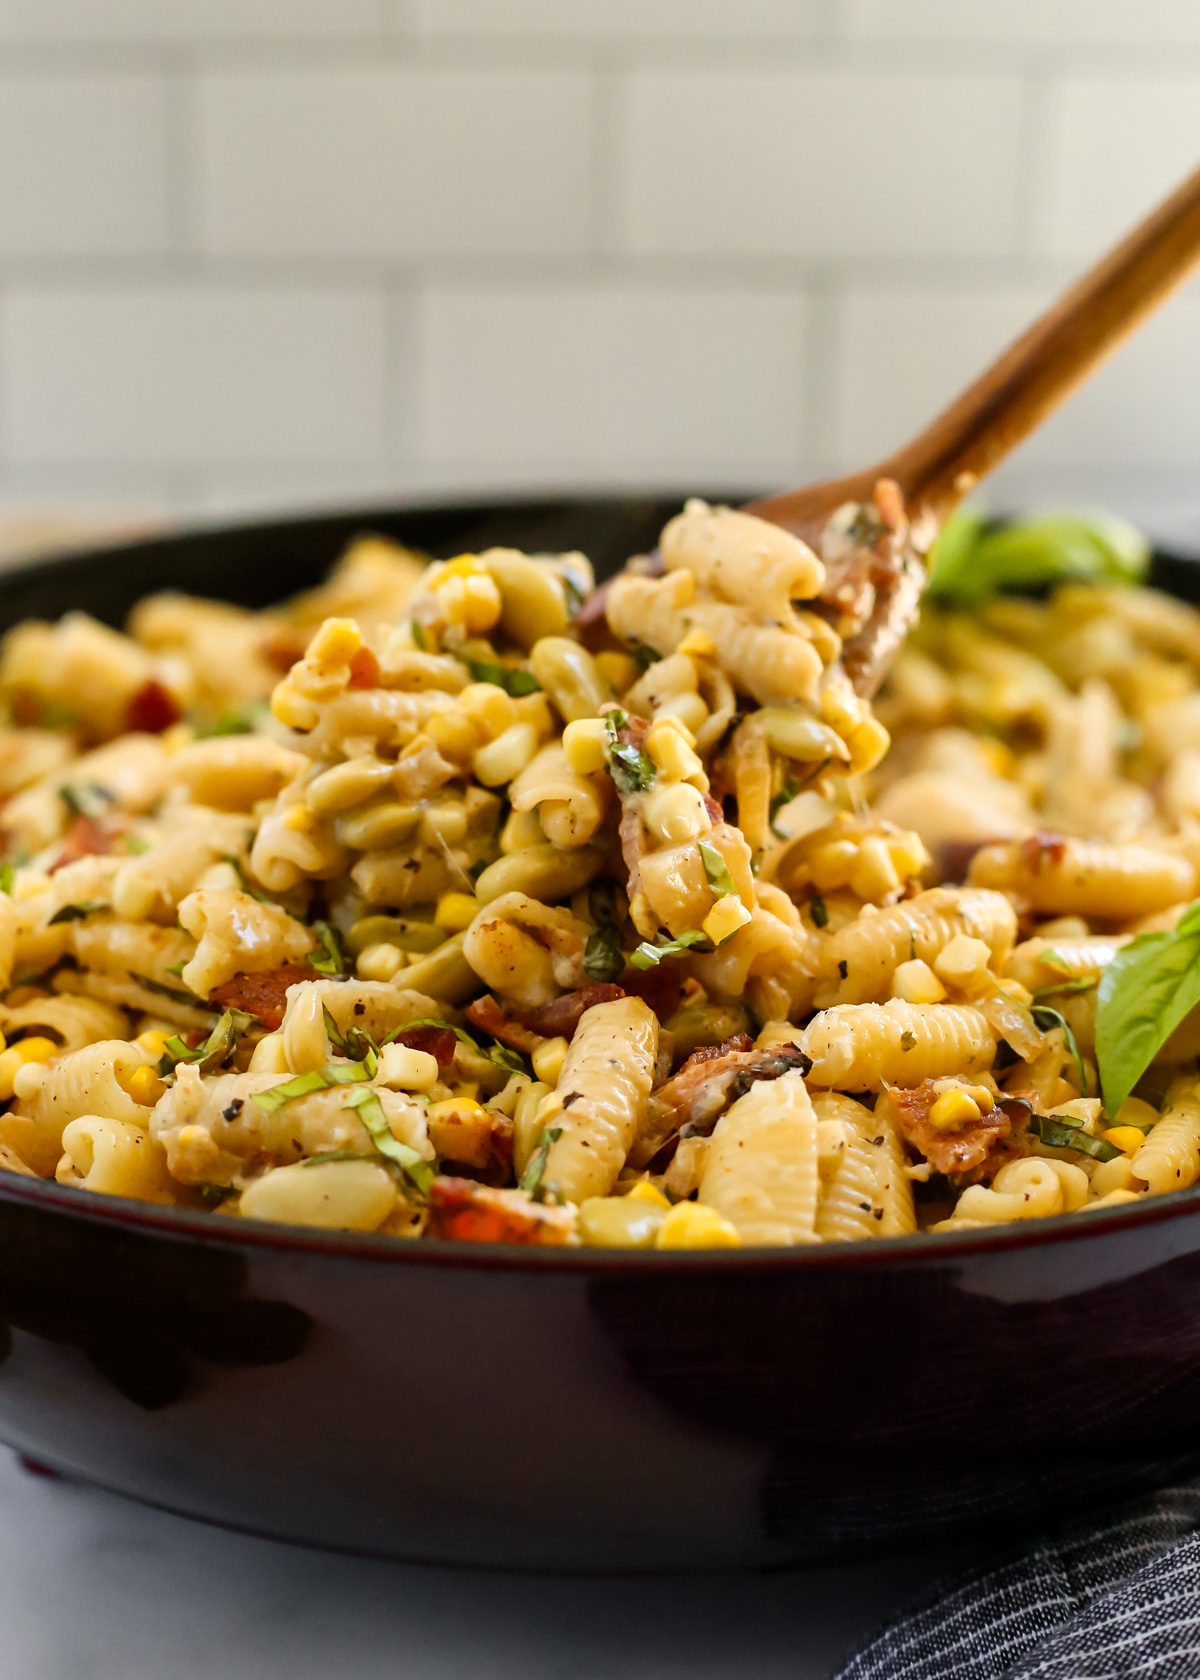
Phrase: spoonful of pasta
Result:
[872,530]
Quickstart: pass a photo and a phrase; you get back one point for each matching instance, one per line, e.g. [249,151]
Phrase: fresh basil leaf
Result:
[1144,993]
[218,1046]
[717,870]
[134,845]
[77,912]
[649,955]
[7,875]
[320,1079]
[177,968]
[1054,1019]
[229,723]
[476,870]
[616,719]
[176,996]
[420,639]
[86,799]
[819,912]
[507,677]
[215,1193]
[645,656]
[1084,983]
[786,794]
[630,768]
[1058,1131]
[334,1155]
[370,1112]
[974,558]
[574,594]
[531,1178]
[328,957]
[603,958]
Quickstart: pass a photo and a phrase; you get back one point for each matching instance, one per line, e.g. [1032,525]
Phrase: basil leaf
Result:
[370,1112]
[603,958]
[327,958]
[334,1155]
[420,639]
[974,558]
[86,799]
[786,794]
[818,911]
[219,1044]
[320,1079]
[1084,983]
[1144,993]
[630,768]
[7,874]
[229,723]
[531,1178]
[574,593]
[717,870]
[177,968]
[645,656]
[171,992]
[507,677]
[1060,1132]
[1054,1019]
[649,956]
[77,912]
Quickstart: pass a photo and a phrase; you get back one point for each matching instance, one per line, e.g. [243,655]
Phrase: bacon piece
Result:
[659,988]
[263,994]
[435,1041]
[465,1211]
[979,1147]
[560,1018]
[364,670]
[151,710]
[1042,849]
[712,1052]
[282,650]
[704,1088]
[486,1014]
[84,838]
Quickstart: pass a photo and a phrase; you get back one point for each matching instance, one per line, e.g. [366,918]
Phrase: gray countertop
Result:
[93,1587]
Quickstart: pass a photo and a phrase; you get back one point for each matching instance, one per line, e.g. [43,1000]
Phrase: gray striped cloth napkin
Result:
[1113,1596]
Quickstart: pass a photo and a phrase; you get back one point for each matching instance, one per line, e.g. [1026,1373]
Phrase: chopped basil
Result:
[86,799]
[177,968]
[531,1178]
[77,912]
[1144,993]
[1058,1131]
[419,637]
[507,677]
[135,845]
[644,655]
[649,955]
[786,794]
[630,768]
[334,1155]
[818,911]
[974,557]
[171,992]
[229,723]
[717,870]
[574,594]
[508,1061]
[320,1079]
[1084,983]
[370,1112]
[1054,1019]
[477,868]
[7,873]
[908,1041]
[212,1052]
[216,1192]
[327,958]
[603,958]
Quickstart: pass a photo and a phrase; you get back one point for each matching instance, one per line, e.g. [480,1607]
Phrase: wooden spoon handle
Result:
[1005,404]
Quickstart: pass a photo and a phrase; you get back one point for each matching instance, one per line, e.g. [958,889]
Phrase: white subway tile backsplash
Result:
[395,161]
[1117,144]
[1023,22]
[821,163]
[620,19]
[631,385]
[82,165]
[181,20]
[187,375]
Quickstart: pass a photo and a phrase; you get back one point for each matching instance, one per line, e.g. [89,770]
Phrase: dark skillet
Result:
[576,1409]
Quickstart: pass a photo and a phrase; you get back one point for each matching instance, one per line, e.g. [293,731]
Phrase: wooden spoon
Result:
[944,463]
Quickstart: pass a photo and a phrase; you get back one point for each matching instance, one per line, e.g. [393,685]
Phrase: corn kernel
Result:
[698,644]
[673,754]
[505,757]
[676,813]
[953,1109]
[466,1108]
[36,1049]
[548,1059]
[464,566]
[874,874]
[583,743]
[456,911]
[644,1191]
[1134,1111]
[404,1069]
[335,643]
[153,1041]
[964,959]
[867,744]
[915,982]
[908,854]
[831,863]
[298,818]
[144,1086]
[727,915]
[619,669]
[451,598]
[18,1056]
[379,962]
[292,709]
[1128,1139]
[481,604]
[983,1098]
[694,1225]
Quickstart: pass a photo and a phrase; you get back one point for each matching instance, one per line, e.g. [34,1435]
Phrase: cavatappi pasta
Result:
[462,899]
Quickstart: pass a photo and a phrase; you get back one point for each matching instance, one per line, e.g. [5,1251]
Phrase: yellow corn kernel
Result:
[379,962]
[676,813]
[154,1040]
[983,1098]
[583,743]
[915,982]
[505,757]
[1128,1139]
[464,566]
[698,644]
[292,709]
[644,1191]
[451,598]
[16,1057]
[36,1049]
[298,818]
[867,744]
[404,1069]
[1135,1111]
[144,1086]
[673,754]
[953,1109]
[620,669]
[874,874]
[466,1107]
[335,643]
[727,915]
[481,604]
[548,1059]
[964,959]
[456,911]
[693,1225]
[830,864]
[908,854]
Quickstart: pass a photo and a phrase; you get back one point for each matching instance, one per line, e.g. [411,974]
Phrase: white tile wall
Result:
[257,253]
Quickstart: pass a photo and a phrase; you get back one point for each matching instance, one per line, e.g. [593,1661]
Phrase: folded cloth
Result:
[1110,1595]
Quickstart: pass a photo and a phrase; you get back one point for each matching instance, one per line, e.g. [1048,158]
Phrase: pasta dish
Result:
[465,900]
